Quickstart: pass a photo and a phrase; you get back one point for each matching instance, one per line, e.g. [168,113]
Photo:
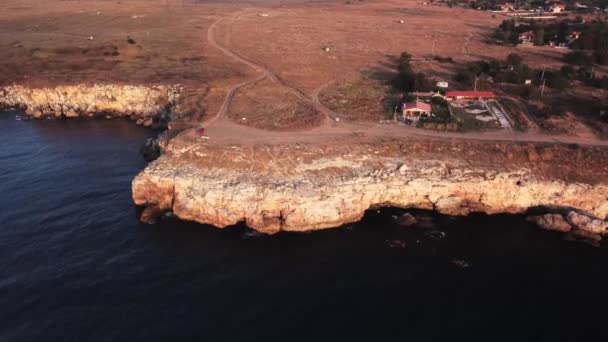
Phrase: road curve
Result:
[266,73]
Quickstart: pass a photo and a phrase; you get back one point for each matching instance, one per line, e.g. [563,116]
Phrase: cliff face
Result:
[328,191]
[144,104]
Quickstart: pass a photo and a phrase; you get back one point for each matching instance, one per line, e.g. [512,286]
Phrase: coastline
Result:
[312,186]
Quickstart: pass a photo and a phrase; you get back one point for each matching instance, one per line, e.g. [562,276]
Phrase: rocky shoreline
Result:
[150,106]
[329,191]
[304,187]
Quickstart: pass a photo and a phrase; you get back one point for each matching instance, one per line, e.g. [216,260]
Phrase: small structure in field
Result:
[469,95]
[325,48]
[528,82]
[415,109]
[422,94]
[507,7]
[557,8]
[574,36]
[401,21]
[442,84]
[426,95]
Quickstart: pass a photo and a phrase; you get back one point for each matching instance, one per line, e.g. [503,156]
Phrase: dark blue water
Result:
[76,265]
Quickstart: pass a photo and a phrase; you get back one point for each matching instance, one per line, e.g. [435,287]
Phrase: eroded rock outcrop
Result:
[555,222]
[148,106]
[328,191]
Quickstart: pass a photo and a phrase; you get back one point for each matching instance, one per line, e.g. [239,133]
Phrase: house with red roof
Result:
[469,95]
[415,109]
[557,8]
[526,38]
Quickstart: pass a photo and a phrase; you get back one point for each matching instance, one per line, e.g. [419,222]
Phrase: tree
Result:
[568,72]
[539,37]
[578,58]
[514,59]
[406,78]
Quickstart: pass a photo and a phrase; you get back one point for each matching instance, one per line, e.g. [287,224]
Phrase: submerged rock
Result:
[406,220]
[587,223]
[151,149]
[395,243]
[555,222]
[150,214]
[461,263]
[584,236]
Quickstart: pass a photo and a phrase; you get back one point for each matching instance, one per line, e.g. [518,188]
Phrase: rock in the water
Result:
[555,222]
[460,263]
[584,236]
[150,214]
[587,223]
[395,243]
[151,149]
[407,220]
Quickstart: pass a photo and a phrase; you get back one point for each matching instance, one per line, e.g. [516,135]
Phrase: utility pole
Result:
[542,76]
[542,90]
[433,49]
[592,70]
[475,86]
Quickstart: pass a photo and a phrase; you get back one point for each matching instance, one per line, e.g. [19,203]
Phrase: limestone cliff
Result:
[142,103]
[322,191]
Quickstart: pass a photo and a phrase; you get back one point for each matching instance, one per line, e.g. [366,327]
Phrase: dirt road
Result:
[265,73]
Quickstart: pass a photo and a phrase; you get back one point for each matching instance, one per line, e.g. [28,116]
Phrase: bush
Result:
[443,59]
[568,72]
[578,58]
[557,80]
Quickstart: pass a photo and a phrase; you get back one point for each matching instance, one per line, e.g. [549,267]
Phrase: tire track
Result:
[266,73]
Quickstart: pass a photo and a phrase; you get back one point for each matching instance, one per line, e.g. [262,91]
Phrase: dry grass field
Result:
[267,105]
[313,59]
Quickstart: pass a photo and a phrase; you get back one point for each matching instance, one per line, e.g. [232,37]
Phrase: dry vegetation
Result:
[363,98]
[266,104]
[159,41]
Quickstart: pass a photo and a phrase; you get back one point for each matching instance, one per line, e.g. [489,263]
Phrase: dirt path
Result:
[266,73]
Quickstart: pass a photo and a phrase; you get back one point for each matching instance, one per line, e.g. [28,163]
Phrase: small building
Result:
[507,7]
[469,95]
[557,8]
[442,84]
[574,36]
[422,95]
[415,109]
[526,38]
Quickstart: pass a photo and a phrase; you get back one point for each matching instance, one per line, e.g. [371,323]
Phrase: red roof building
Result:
[526,38]
[557,8]
[479,95]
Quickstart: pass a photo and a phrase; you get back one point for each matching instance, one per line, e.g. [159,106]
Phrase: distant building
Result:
[557,8]
[424,95]
[469,95]
[507,7]
[442,84]
[415,109]
[526,38]
[574,36]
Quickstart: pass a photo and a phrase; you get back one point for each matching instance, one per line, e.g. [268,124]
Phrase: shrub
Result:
[578,58]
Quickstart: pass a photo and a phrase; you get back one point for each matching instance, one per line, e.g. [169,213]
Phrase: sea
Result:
[76,264]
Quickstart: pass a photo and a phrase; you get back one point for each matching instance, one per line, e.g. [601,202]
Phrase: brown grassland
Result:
[290,65]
